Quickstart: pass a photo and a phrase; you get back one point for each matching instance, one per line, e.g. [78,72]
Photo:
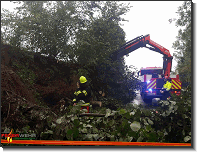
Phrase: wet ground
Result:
[139,101]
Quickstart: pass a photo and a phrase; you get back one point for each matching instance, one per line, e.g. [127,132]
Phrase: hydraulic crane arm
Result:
[142,41]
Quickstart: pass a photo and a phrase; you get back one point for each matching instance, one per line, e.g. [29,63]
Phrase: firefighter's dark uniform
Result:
[166,88]
[82,93]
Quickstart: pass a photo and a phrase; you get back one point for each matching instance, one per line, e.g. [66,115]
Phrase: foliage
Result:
[84,32]
[95,44]
[183,43]
[111,103]
[50,27]
[26,74]
[169,122]
[46,29]
[177,113]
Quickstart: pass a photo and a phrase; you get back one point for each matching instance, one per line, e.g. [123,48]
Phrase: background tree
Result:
[183,43]
[44,26]
[84,32]
[50,27]
[95,43]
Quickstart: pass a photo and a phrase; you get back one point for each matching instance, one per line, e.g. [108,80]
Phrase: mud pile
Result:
[28,100]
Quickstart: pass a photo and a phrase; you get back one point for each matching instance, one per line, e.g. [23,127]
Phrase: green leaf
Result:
[126,115]
[87,126]
[25,129]
[187,138]
[173,102]
[7,130]
[76,122]
[145,122]
[60,120]
[122,111]
[89,136]
[121,139]
[108,112]
[130,139]
[95,136]
[132,113]
[152,137]
[75,133]
[69,132]
[175,108]
[73,118]
[135,126]
[170,128]
[148,128]
[150,121]
[49,132]
[166,102]
[112,138]
[140,139]
[84,130]
[95,130]
[111,122]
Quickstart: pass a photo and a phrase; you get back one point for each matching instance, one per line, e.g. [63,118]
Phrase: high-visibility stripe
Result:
[172,85]
[153,86]
[179,86]
[77,93]
[85,92]
[151,83]
[176,84]
[177,81]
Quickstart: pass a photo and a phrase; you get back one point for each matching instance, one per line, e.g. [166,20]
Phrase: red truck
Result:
[151,77]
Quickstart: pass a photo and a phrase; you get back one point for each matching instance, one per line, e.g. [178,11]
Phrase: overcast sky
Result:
[146,17]
[151,17]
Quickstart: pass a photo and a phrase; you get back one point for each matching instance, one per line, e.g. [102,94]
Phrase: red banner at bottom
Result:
[108,143]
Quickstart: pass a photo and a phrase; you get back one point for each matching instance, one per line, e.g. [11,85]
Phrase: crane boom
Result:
[142,41]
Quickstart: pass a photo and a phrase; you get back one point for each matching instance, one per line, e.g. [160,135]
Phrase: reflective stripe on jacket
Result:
[167,86]
[82,95]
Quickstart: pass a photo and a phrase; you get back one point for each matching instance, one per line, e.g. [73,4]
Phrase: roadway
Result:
[139,101]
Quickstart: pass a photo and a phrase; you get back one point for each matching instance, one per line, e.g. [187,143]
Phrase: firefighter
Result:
[166,88]
[83,91]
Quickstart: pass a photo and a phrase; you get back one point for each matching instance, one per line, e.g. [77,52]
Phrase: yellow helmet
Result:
[82,79]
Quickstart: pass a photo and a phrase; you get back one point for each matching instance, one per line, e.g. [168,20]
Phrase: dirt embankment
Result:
[31,88]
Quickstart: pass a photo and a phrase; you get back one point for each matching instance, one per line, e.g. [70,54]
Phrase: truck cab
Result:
[151,77]
[152,82]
